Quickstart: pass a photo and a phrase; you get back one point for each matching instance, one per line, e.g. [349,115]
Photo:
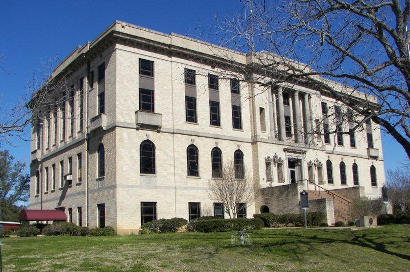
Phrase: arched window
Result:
[101,161]
[147,157]
[373,176]
[192,160]
[329,169]
[342,173]
[355,171]
[216,157]
[264,209]
[238,164]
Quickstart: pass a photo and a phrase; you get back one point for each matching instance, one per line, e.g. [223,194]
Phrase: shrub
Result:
[164,225]
[5,233]
[273,220]
[27,231]
[351,223]
[401,218]
[106,231]
[221,225]
[62,228]
[339,224]
[323,225]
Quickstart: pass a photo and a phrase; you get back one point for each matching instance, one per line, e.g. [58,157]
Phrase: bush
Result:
[401,218]
[339,224]
[164,225]
[106,231]
[63,228]
[323,225]
[27,231]
[273,220]
[351,224]
[5,233]
[221,225]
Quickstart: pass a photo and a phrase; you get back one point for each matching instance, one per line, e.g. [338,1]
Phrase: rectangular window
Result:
[70,165]
[101,72]
[101,215]
[241,210]
[61,174]
[190,109]
[214,113]
[72,111]
[81,104]
[219,210]
[38,134]
[350,117]
[213,82]
[70,215]
[235,86]
[339,125]
[55,117]
[352,138]
[268,170]
[46,179]
[369,133]
[79,167]
[339,135]
[101,103]
[194,210]
[326,133]
[146,100]
[146,67]
[37,183]
[324,109]
[189,76]
[262,119]
[288,127]
[79,216]
[63,121]
[48,130]
[286,99]
[236,117]
[53,177]
[148,212]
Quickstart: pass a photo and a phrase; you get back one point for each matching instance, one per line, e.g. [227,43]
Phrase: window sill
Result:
[191,85]
[148,175]
[194,177]
[45,193]
[52,191]
[147,76]
[191,123]
[213,126]
[100,178]
[237,129]
[37,195]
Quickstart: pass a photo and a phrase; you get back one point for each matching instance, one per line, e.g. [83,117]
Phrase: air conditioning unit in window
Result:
[69,179]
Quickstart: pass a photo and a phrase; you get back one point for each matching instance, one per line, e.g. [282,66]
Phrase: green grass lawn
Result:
[382,249]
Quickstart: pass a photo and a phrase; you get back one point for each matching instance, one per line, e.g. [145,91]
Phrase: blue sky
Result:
[34,32]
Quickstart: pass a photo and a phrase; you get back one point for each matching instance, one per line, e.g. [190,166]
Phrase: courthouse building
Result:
[147,119]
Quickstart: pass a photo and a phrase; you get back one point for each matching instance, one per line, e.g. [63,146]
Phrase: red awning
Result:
[43,215]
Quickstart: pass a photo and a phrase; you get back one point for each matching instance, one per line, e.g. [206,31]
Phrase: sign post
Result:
[304,204]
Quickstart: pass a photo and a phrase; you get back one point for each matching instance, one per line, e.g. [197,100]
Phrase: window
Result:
[238,164]
[241,210]
[262,119]
[101,161]
[264,209]
[286,99]
[46,179]
[213,82]
[190,109]
[101,72]
[355,171]
[288,127]
[70,215]
[37,183]
[79,216]
[236,117]
[343,173]
[48,130]
[339,135]
[189,76]
[146,100]
[320,174]
[148,212]
[38,134]
[55,127]
[219,210]
[268,170]
[81,104]
[71,102]
[369,133]
[352,138]
[61,174]
[194,210]
[147,157]
[53,177]
[311,174]
[192,160]
[62,135]
[146,67]
[373,177]
[325,123]
[70,165]
[101,215]
[339,125]
[350,117]
[79,167]
[214,113]
[101,103]
[329,169]
[280,172]
[216,158]
[235,86]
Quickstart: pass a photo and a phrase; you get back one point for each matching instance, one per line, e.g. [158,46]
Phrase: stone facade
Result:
[110,75]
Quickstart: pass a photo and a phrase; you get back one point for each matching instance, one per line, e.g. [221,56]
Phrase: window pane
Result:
[236,117]
[214,113]
[194,210]
[148,212]
[101,103]
[342,173]
[219,210]
[329,169]
[189,76]
[101,161]
[147,157]
[146,100]
[190,108]
[235,86]
[216,157]
[238,164]
[241,210]
[213,82]
[146,67]
[192,160]
[101,72]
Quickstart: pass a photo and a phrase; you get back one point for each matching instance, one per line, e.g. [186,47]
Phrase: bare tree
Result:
[231,189]
[398,187]
[338,47]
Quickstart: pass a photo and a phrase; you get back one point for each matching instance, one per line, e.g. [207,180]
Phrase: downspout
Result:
[87,145]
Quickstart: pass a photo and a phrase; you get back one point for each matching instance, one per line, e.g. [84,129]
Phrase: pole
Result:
[1,262]
[305,209]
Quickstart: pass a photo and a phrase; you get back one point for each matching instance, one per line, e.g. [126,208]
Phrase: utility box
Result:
[304,200]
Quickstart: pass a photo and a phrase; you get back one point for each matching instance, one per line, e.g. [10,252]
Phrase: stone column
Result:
[298,123]
[281,113]
[308,124]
